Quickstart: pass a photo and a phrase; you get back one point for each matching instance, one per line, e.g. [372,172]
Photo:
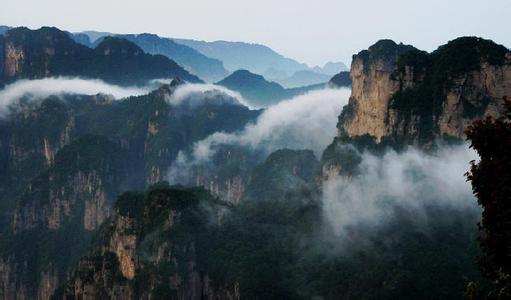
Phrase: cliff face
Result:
[152,247]
[405,96]
[228,173]
[65,159]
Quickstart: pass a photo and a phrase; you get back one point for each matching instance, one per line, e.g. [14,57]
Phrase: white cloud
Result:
[303,122]
[411,180]
[197,94]
[42,88]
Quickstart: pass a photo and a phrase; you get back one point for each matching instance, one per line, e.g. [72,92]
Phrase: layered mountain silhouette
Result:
[48,51]
[206,68]
[259,91]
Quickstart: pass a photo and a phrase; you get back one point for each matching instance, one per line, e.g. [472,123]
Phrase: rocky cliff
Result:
[405,96]
[67,158]
[154,246]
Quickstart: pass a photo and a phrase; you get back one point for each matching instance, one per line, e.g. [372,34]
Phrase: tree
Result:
[491,184]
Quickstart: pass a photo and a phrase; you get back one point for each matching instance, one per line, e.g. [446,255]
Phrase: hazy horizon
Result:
[310,33]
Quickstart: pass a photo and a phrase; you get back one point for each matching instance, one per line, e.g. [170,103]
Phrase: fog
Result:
[410,181]
[194,95]
[41,88]
[303,122]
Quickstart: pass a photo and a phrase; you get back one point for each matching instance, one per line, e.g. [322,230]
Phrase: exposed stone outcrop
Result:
[230,189]
[143,253]
[408,96]
[123,243]
[62,201]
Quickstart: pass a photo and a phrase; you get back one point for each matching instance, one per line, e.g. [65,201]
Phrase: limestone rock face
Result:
[143,252]
[63,202]
[403,94]
[489,83]
[123,244]
[14,60]
[372,89]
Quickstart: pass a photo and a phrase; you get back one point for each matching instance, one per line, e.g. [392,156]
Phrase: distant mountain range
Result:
[212,61]
[303,78]
[205,59]
[261,92]
[48,51]
[209,69]
[331,68]
[253,57]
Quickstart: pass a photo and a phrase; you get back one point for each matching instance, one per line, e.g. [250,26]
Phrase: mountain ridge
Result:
[49,52]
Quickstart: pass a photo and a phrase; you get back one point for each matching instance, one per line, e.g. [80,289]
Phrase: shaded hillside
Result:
[272,245]
[69,157]
[259,91]
[340,80]
[47,52]
[193,61]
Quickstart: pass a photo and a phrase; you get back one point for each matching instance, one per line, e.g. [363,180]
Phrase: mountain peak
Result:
[118,46]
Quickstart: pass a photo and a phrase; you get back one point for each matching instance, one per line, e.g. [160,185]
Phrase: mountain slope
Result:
[341,79]
[254,87]
[172,225]
[259,91]
[303,78]
[206,68]
[68,157]
[331,68]
[238,55]
[46,52]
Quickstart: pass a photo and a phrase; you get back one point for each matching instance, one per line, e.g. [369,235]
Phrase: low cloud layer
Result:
[197,94]
[42,88]
[304,122]
[409,181]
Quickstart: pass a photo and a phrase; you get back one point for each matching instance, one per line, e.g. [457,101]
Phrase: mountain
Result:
[291,170]
[85,211]
[410,96]
[303,78]
[181,243]
[254,87]
[403,96]
[193,61]
[174,269]
[4,29]
[207,59]
[50,52]
[238,55]
[341,79]
[66,159]
[331,68]
[259,91]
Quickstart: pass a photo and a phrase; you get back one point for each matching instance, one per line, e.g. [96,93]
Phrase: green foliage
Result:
[289,169]
[491,184]
[130,204]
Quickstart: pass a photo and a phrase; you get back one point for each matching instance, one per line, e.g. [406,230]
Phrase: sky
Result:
[313,32]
